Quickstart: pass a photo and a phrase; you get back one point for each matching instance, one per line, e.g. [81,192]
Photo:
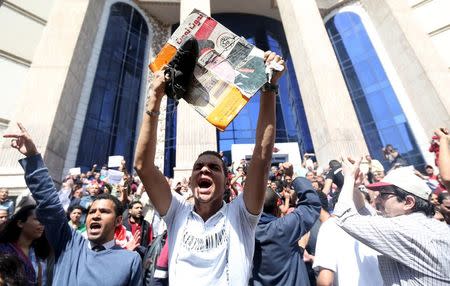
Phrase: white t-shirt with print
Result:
[352,262]
[216,252]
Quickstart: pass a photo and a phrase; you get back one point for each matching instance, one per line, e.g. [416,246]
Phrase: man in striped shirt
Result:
[414,246]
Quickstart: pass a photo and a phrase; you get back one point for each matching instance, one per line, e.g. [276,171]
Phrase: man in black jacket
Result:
[135,222]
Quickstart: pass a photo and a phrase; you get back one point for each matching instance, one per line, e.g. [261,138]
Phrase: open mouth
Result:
[205,183]
[95,226]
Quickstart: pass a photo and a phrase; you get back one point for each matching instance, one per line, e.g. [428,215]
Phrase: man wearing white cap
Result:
[413,246]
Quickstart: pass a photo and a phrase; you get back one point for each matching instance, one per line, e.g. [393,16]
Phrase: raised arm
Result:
[255,185]
[350,196]
[123,167]
[125,191]
[236,177]
[49,210]
[444,155]
[303,217]
[285,206]
[154,181]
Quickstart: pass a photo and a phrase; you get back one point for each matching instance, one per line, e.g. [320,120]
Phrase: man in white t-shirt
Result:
[217,251]
[342,260]
[210,242]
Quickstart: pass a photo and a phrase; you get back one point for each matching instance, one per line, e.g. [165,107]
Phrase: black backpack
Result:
[151,257]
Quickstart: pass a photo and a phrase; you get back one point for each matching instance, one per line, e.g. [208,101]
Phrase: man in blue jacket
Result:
[95,261]
[278,259]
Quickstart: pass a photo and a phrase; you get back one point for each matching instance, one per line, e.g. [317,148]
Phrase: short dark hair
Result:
[443,196]
[72,208]
[270,201]
[118,207]
[75,207]
[278,183]
[334,164]
[107,187]
[130,206]
[421,205]
[215,154]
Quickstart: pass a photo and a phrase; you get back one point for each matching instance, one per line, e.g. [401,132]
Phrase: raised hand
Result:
[350,167]
[135,242]
[288,168]
[158,84]
[22,141]
[359,179]
[442,133]
[270,57]
[444,155]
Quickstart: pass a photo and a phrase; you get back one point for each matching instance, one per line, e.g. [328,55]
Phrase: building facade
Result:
[360,75]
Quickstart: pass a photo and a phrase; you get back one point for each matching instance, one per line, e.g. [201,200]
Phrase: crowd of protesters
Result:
[298,239]
[352,222]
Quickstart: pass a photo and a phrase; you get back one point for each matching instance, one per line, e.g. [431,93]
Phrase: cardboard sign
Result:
[115,177]
[115,161]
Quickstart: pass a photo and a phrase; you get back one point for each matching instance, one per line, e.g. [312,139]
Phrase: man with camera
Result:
[393,156]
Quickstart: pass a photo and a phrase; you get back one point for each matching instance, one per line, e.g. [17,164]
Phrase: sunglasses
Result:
[385,195]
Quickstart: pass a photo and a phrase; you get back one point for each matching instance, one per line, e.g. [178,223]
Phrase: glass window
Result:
[113,107]
[379,112]
[170,143]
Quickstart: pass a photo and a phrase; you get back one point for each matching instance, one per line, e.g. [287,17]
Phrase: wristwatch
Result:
[270,87]
[152,113]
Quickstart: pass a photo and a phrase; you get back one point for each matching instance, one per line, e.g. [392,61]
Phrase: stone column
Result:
[422,72]
[47,107]
[160,35]
[331,117]
[194,133]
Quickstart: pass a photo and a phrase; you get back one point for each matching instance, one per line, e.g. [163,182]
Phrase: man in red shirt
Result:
[135,221]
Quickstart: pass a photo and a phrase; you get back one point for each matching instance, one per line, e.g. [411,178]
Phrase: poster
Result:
[228,73]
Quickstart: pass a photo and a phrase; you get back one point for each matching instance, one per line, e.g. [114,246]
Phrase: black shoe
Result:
[181,69]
